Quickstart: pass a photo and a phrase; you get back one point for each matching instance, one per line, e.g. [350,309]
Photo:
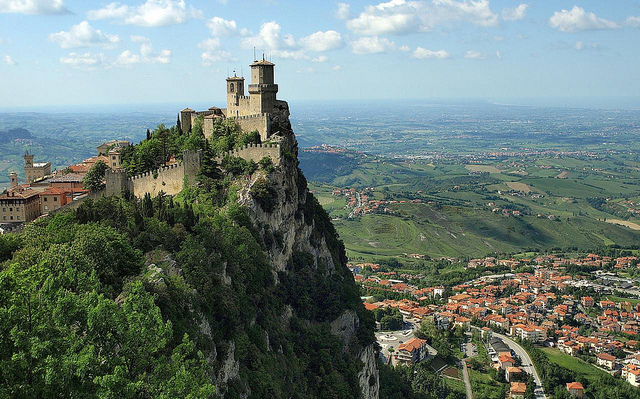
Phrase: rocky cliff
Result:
[303,228]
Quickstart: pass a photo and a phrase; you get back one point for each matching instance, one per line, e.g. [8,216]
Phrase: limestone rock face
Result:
[299,233]
[369,377]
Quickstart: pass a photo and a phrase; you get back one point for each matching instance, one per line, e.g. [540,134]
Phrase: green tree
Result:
[94,179]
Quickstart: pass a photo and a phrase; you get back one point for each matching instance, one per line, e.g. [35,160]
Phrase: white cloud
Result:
[147,54]
[9,60]
[290,54]
[478,55]
[320,58]
[210,44]
[423,53]
[33,7]
[375,45]
[322,41]
[515,14]
[87,60]
[210,57]
[127,58]
[306,70]
[343,11]
[402,17]
[268,38]
[633,21]
[578,20]
[337,68]
[152,13]
[222,27]
[83,35]
[585,46]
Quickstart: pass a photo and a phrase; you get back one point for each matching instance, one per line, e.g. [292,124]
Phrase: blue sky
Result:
[57,52]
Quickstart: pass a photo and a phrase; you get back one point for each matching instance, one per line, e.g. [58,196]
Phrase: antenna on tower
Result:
[254,54]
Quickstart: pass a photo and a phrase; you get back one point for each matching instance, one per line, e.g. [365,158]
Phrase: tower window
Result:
[231,87]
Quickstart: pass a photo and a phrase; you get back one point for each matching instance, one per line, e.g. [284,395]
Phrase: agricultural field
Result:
[455,209]
[574,364]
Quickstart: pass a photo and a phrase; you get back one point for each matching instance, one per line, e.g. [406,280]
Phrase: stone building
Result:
[53,198]
[104,148]
[35,170]
[254,111]
[19,204]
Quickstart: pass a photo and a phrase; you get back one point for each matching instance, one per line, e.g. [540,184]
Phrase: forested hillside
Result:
[181,297]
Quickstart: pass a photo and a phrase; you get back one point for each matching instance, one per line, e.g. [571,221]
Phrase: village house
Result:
[606,360]
[575,389]
[631,374]
[413,351]
[517,390]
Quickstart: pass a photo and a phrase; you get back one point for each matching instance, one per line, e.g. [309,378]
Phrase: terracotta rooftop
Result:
[574,385]
[412,344]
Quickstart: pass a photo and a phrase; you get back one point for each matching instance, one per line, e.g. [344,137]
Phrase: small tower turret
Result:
[235,90]
[13,177]
[185,119]
[28,159]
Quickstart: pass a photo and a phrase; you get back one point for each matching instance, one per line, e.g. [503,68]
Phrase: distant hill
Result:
[12,134]
[325,164]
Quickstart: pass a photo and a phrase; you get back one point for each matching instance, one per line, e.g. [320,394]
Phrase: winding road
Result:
[527,363]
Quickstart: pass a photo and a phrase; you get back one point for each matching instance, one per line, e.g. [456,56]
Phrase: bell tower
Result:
[13,177]
[235,90]
[263,88]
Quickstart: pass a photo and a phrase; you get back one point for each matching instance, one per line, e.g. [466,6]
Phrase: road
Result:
[470,350]
[527,364]
[465,377]
[358,205]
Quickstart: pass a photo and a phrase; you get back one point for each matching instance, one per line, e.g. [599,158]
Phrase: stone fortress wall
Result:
[255,152]
[259,122]
[170,179]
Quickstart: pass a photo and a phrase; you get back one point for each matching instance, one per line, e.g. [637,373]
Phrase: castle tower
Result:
[185,119]
[262,89]
[28,160]
[235,90]
[28,167]
[13,177]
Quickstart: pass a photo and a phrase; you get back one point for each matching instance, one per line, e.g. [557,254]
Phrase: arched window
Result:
[231,87]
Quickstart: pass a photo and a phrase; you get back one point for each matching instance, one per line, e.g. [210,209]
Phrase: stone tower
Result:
[235,92]
[28,160]
[13,177]
[262,89]
[185,119]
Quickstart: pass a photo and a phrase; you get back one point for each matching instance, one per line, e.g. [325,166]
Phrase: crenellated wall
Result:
[259,122]
[255,152]
[169,179]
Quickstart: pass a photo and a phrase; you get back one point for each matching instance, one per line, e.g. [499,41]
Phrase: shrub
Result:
[264,194]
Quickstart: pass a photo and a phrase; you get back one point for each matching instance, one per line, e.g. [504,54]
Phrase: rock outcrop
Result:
[291,220]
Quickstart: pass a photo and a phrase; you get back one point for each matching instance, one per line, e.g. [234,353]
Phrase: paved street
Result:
[470,351]
[527,364]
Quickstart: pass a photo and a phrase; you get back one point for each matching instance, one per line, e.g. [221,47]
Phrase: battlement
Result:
[262,115]
[157,171]
[254,152]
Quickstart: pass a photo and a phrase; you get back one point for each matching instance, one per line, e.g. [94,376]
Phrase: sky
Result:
[72,52]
